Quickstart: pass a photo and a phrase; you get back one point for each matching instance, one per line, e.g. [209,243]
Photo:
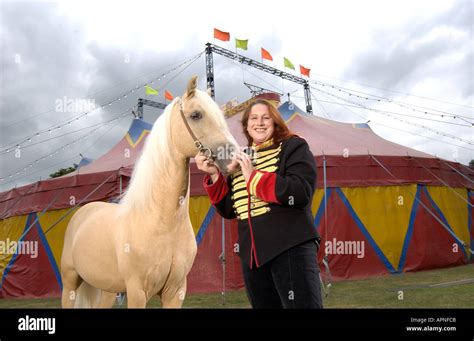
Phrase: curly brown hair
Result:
[282,132]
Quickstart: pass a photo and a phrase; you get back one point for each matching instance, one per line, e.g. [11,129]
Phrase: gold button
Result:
[268,209]
[252,205]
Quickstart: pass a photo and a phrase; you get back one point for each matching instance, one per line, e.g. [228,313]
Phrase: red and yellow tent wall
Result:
[393,223]
[399,226]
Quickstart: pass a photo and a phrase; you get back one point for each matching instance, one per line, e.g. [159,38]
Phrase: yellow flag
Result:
[288,63]
[150,91]
[241,43]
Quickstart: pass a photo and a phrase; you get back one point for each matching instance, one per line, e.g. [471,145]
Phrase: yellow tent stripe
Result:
[130,141]
[11,229]
[385,213]
[198,208]
[55,235]
[454,209]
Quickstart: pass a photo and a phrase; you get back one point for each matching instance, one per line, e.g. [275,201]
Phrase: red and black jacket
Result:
[278,195]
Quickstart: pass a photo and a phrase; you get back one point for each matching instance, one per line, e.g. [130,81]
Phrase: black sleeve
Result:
[225,205]
[295,183]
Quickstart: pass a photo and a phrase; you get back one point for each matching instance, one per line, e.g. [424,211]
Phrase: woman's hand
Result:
[245,165]
[207,166]
[233,166]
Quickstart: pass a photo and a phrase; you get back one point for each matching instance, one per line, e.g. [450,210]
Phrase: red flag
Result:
[168,95]
[221,35]
[266,55]
[304,71]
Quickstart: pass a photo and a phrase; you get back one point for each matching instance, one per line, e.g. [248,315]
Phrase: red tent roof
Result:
[327,137]
[124,154]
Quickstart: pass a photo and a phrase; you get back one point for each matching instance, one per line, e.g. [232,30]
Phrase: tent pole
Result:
[222,258]
[325,199]
[326,257]
[120,297]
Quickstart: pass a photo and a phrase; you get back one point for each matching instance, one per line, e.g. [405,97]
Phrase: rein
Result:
[205,150]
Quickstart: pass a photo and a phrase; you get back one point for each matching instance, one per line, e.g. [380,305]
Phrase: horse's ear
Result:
[192,85]
[209,91]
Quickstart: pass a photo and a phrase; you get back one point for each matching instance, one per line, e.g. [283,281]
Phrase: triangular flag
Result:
[266,55]
[221,35]
[150,91]
[288,64]
[168,95]
[241,43]
[304,71]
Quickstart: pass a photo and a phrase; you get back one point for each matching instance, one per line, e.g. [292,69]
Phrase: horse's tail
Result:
[87,296]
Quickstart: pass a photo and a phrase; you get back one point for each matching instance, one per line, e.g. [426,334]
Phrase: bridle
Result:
[206,151]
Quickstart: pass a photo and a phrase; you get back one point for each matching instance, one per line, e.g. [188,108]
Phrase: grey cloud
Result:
[398,58]
[57,61]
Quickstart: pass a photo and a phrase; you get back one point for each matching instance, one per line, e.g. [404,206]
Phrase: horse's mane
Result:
[151,164]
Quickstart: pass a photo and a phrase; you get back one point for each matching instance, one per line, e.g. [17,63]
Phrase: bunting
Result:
[304,71]
[241,44]
[150,91]
[168,95]
[266,55]
[288,63]
[221,35]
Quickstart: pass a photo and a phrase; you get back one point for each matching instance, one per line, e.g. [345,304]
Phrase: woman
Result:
[277,240]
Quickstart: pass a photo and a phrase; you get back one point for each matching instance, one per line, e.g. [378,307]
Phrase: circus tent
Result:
[381,208]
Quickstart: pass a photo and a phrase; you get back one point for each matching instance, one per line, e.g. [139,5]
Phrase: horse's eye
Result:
[196,115]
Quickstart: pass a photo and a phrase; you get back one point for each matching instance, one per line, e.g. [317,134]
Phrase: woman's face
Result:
[260,125]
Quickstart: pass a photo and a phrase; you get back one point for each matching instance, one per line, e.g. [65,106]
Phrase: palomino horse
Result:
[145,245]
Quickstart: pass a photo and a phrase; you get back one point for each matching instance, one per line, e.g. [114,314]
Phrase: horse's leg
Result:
[174,298]
[71,282]
[107,299]
[136,295]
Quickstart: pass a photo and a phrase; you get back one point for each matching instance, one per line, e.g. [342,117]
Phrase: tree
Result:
[63,171]
[471,164]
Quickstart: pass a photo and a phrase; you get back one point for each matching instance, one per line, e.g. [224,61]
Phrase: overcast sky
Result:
[412,52]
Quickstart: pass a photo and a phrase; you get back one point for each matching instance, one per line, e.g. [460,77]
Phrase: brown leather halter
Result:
[205,150]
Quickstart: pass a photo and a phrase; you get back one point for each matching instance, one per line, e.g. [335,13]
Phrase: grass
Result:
[419,289]
[416,290]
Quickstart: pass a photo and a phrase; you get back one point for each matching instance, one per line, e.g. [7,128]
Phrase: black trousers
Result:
[290,280]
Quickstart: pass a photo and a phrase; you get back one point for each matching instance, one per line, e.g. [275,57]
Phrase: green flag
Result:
[288,64]
[241,43]
[150,91]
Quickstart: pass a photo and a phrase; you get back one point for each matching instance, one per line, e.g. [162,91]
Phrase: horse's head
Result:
[200,124]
